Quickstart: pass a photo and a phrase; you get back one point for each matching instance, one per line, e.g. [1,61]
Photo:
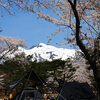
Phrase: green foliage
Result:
[18,66]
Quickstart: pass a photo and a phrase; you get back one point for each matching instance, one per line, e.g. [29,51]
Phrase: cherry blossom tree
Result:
[8,44]
[81,19]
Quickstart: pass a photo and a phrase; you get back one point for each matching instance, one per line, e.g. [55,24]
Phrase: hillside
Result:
[43,52]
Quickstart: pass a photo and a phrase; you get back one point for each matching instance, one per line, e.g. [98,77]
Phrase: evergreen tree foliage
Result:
[49,71]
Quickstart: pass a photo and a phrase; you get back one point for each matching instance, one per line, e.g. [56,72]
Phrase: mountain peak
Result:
[44,52]
[41,45]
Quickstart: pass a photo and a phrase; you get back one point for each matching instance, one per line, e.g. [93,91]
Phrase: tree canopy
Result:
[80,17]
[51,72]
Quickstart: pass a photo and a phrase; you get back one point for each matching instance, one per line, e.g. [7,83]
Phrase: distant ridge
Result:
[43,52]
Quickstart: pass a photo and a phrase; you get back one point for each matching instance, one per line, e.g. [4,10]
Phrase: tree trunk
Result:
[97,79]
[96,67]
[94,62]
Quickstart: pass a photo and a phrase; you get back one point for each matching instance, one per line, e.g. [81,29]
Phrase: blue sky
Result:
[33,31]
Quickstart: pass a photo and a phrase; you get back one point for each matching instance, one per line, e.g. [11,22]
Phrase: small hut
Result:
[75,91]
[28,93]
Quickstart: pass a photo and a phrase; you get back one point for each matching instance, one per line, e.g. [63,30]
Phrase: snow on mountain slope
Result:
[43,52]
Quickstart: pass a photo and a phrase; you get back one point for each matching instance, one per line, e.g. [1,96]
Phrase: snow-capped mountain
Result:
[43,52]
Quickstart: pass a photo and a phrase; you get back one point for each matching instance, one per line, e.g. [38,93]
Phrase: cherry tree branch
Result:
[78,40]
